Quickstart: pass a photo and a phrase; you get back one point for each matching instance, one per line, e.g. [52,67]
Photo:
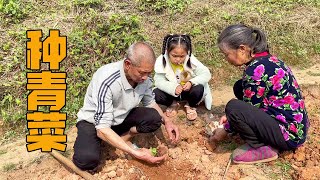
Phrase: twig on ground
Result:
[226,170]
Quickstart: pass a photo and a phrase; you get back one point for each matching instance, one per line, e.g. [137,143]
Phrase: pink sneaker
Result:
[245,154]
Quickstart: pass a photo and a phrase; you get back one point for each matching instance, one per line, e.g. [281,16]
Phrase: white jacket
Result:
[166,81]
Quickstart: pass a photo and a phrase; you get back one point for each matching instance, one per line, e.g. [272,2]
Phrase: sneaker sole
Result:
[259,161]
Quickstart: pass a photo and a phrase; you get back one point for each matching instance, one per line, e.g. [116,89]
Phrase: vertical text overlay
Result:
[47,91]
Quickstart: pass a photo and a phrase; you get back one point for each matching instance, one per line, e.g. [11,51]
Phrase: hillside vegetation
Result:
[100,31]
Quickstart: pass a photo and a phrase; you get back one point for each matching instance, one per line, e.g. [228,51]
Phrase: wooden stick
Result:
[226,170]
[67,162]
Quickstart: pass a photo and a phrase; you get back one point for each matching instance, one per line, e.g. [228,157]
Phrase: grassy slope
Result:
[99,32]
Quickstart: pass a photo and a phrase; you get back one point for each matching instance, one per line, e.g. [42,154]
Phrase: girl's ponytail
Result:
[164,48]
[189,46]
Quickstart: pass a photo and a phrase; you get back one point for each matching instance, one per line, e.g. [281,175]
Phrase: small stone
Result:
[205,159]
[162,150]
[202,177]
[105,176]
[174,153]
[112,174]
[299,156]
[143,177]
[207,152]
[287,155]
[131,170]
[298,164]
[309,164]
[110,168]
[188,156]
[119,172]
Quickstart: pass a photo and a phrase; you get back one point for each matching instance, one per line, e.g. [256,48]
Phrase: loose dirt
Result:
[192,158]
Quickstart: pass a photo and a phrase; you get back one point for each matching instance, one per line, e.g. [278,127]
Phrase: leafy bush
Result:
[121,31]
[101,40]
[12,9]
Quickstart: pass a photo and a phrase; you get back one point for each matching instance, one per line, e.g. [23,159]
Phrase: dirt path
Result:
[193,158]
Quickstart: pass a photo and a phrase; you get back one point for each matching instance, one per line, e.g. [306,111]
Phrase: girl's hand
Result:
[179,90]
[187,86]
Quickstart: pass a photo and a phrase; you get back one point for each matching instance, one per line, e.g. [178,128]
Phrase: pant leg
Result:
[255,126]
[194,95]
[162,97]
[86,147]
[143,118]
[238,89]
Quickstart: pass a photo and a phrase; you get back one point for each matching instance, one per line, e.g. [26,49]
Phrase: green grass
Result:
[182,117]
[2,152]
[280,170]
[228,145]
[8,167]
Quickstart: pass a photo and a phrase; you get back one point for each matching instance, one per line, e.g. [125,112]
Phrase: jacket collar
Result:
[124,80]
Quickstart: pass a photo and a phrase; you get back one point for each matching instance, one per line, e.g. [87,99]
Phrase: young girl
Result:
[269,113]
[180,76]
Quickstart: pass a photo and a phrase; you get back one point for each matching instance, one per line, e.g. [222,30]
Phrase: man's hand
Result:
[172,131]
[146,155]
[178,90]
[187,86]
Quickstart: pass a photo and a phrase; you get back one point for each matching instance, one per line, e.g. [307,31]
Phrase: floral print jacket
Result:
[270,85]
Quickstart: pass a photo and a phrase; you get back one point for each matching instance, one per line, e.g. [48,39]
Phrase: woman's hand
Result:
[220,133]
[223,119]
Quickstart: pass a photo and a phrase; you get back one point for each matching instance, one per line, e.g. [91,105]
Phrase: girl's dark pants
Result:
[193,96]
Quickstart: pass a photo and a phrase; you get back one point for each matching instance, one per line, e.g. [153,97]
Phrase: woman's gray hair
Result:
[235,35]
[140,51]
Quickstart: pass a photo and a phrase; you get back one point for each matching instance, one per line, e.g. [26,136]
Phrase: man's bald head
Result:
[140,51]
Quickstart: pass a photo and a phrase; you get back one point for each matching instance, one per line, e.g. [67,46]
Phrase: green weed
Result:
[37,160]
[173,6]
[316,48]
[3,152]
[285,166]
[12,10]
[228,145]
[9,167]
[88,3]
[67,153]
[182,117]
[120,31]
[9,135]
